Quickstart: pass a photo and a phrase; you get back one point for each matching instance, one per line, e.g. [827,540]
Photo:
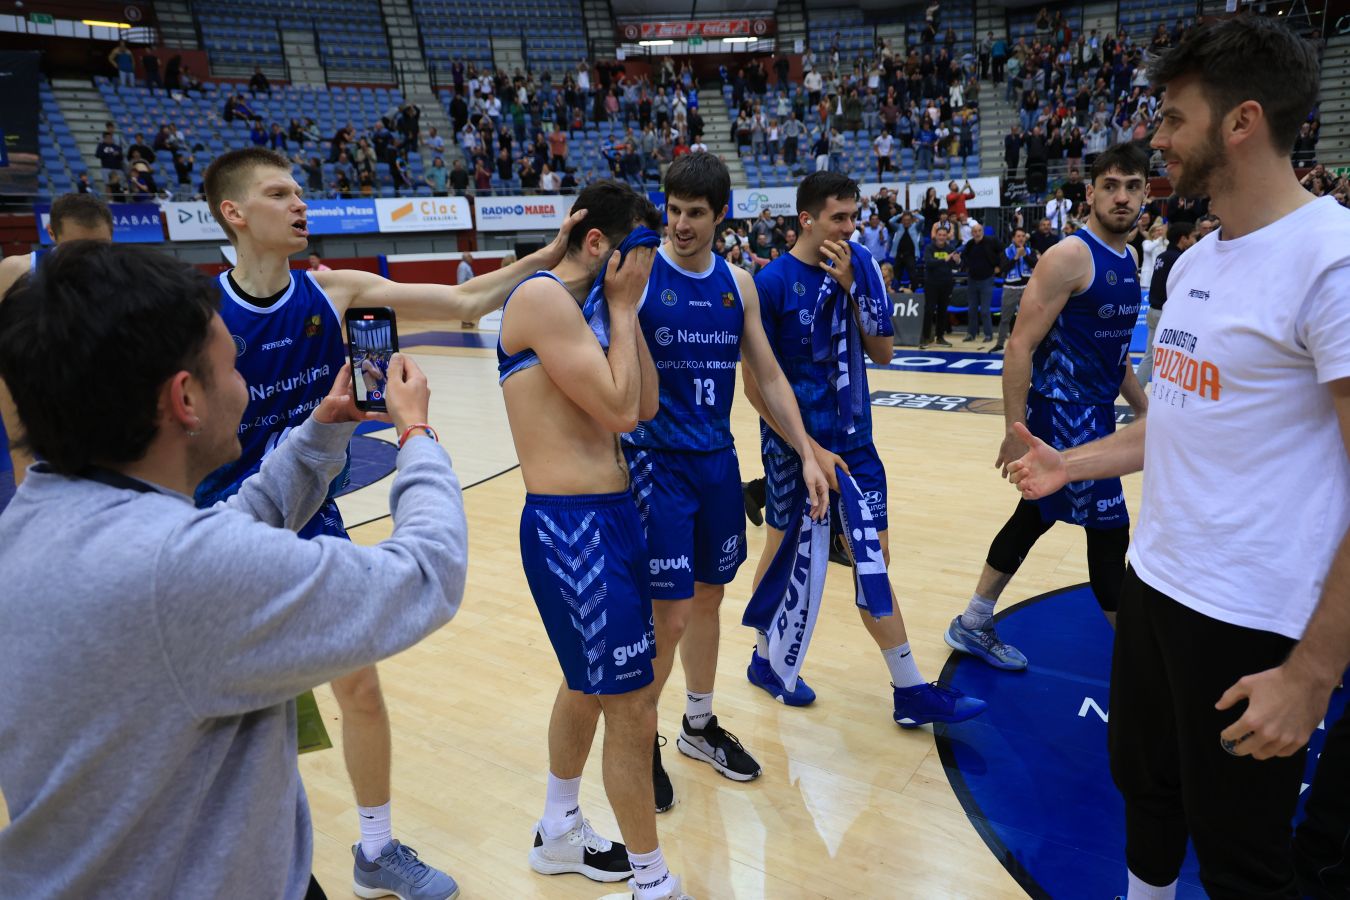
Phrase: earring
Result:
[194,431]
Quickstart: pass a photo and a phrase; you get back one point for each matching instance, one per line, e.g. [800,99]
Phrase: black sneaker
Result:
[997,348]
[665,792]
[718,748]
[942,342]
[582,851]
[754,495]
[968,339]
[838,554]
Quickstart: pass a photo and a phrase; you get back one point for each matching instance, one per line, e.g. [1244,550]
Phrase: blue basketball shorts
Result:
[785,491]
[1091,504]
[327,521]
[585,560]
[690,503]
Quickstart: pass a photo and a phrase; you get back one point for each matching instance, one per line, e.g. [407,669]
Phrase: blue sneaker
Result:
[924,703]
[399,873]
[983,643]
[761,675]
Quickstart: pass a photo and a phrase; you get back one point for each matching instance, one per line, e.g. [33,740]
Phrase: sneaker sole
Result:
[918,723]
[661,809]
[982,657]
[693,752]
[545,866]
[780,696]
[370,893]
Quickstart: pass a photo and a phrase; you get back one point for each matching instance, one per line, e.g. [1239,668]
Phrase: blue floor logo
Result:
[1032,772]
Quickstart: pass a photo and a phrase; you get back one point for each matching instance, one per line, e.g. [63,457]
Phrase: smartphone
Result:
[372,338]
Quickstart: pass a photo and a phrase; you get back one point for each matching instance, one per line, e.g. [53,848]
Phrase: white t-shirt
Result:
[1246,479]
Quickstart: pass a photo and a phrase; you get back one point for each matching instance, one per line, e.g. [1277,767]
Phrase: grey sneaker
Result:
[983,643]
[399,873]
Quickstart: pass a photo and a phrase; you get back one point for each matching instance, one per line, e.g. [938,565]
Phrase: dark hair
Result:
[87,342]
[614,208]
[1127,157]
[1178,230]
[85,210]
[700,176]
[817,188]
[1248,58]
[224,178]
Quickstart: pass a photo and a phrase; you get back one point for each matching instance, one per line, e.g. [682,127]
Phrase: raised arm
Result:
[452,303]
[1065,268]
[608,387]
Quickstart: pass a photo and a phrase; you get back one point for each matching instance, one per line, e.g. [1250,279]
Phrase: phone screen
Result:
[373,338]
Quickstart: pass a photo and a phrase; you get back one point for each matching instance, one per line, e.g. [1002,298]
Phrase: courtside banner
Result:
[746,204]
[192,221]
[133,223]
[423,214]
[986,191]
[544,212]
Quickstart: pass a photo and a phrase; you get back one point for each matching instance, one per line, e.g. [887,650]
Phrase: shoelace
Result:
[716,732]
[989,639]
[589,839]
[405,863]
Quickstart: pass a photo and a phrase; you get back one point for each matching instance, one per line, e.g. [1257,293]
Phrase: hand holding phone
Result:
[372,339]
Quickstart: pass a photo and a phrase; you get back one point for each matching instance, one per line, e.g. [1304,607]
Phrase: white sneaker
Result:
[579,851]
[675,892]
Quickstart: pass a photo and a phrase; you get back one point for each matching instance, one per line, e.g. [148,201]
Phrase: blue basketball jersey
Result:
[289,353]
[692,323]
[1083,357]
[788,289]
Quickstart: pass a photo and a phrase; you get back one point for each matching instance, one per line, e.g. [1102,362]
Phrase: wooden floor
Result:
[849,806]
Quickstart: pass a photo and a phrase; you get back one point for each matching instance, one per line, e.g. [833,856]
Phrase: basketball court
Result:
[1015,803]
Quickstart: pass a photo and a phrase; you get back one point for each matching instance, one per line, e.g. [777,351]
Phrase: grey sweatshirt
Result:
[150,653]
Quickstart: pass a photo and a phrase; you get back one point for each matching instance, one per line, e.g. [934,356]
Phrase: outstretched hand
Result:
[1038,473]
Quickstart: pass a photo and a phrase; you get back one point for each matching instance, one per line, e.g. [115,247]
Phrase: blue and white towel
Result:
[834,335]
[787,602]
[596,308]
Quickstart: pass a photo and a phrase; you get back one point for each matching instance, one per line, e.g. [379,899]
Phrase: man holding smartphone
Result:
[287,332]
[171,771]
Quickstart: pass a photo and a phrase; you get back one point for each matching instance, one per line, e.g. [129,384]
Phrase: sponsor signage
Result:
[746,204]
[988,406]
[543,212]
[986,191]
[423,214]
[703,28]
[133,223]
[192,221]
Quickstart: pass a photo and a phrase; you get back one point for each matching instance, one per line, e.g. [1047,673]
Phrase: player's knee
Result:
[359,693]
[1106,549]
[1015,539]
[709,595]
[672,619]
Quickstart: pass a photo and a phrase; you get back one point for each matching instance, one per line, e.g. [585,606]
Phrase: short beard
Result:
[1199,175]
[1107,226]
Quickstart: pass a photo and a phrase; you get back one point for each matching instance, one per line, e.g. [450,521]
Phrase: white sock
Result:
[651,877]
[978,613]
[376,830]
[762,645]
[698,709]
[562,806]
[904,670]
[1142,890]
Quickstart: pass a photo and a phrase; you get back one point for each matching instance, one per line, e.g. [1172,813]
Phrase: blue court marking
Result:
[487,341]
[372,459]
[1032,772]
[960,362]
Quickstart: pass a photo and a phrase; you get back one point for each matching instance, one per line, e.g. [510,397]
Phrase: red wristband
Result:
[420,426]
